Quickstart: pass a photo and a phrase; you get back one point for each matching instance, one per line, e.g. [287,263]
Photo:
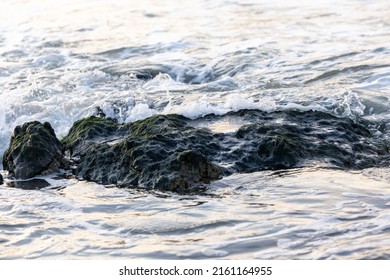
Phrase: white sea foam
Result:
[162,82]
[139,112]
[231,103]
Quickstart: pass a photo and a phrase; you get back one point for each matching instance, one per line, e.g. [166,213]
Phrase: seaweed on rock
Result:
[165,152]
[151,153]
[34,149]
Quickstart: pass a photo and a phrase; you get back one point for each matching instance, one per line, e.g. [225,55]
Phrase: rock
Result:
[167,153]
[32,184]
[33,150]
[292,139]
[195,167]
[152,153]
[88,131]
[1,180]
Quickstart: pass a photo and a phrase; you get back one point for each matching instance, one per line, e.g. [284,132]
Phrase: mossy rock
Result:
[33,150]
[150,153]
[86,131]
[157,125]
[164,152]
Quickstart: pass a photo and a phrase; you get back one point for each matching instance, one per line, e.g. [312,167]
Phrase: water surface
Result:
[60,60]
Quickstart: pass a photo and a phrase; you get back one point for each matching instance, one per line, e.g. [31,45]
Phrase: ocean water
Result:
[60,60]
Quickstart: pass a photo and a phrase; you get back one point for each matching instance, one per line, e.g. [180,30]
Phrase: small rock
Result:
[33,150]
[33,184]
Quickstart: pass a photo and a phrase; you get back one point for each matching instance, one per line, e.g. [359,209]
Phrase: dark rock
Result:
[152,153]
[1,180]
[88,131]
[166,153]
[291,138]
[33,150]
[33,184]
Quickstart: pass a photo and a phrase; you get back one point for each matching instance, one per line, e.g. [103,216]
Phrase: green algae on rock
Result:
[151,153]
[84,130]
[165,152]
[33,150]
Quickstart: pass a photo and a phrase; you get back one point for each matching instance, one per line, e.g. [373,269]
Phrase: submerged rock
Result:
[33,150]
[291,138]
[165,152]
[158,152]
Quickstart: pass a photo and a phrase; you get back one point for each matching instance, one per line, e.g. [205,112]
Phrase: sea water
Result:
[61,60]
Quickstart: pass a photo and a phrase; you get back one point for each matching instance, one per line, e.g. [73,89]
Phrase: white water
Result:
[59,60]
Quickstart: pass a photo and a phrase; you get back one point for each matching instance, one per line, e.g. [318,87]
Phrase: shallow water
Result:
[265,215]
[60,60]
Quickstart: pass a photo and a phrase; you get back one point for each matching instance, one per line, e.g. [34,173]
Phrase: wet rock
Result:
[152,153]
[33,184]
[195,166]
[1,180]
[88,131]
[166,153]
[33,150]
[273,146]
[291,139]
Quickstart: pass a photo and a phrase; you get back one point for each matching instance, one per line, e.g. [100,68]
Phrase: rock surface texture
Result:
[167,152]
[34,149]
[160,152]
